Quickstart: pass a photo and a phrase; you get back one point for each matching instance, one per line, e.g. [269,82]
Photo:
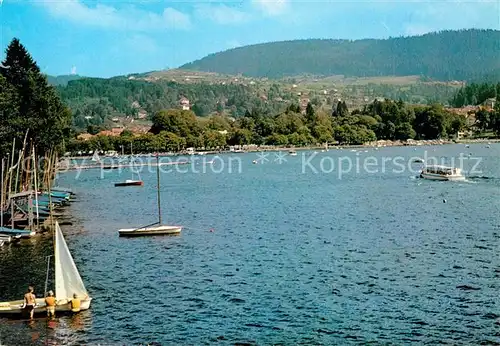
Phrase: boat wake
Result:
[481,177]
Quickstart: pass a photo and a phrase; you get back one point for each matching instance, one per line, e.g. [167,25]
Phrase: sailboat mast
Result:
[36,183]
[47,276]
[158,183]
[11,171]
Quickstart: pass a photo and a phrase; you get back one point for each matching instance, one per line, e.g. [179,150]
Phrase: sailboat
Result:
[96,157]
[154,229]
[131,182]
[67,282]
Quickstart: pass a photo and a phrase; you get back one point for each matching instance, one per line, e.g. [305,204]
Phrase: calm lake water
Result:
[279,254]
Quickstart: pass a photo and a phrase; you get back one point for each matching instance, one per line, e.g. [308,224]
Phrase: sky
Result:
[104,38]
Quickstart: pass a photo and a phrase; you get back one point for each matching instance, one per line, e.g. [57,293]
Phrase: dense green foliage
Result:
[447,55]
[93,100]
[28,104]
[418,93]
[175,129]
[475,94]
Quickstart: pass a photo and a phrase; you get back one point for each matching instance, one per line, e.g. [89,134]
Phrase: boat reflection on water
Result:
[64,330]
[76,323]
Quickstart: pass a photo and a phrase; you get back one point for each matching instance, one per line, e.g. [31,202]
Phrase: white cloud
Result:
[105,16]
[222,14]
[271,7]
[176,18]
[453,15]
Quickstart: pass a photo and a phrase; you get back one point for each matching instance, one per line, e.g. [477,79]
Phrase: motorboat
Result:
[442,173]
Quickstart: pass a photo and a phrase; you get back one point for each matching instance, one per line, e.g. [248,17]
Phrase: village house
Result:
[114,132]
[489,103]
[84,136]
[303,102]
[185,104]
[468,112]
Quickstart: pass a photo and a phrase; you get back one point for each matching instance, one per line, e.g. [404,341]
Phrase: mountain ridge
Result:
[446,55]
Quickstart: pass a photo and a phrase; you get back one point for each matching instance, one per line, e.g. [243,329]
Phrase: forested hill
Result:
[63,79]
[448,55]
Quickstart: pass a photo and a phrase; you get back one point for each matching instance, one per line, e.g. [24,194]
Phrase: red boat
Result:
[130,183]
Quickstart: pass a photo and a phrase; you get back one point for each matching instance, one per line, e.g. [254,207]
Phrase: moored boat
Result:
[442,173]
[148,231]
[154,229]
[13,231]
[129,182]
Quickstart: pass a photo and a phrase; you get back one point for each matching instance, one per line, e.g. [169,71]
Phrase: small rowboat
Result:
[130,183]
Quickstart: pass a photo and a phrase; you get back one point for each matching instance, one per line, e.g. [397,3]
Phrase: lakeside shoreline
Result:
[266,148]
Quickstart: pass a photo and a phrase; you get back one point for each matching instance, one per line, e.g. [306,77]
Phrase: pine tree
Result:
[341,110]
[310,115]
[40,111]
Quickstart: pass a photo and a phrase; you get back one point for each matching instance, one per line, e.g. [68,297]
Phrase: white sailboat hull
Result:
[148,231]
[16,307]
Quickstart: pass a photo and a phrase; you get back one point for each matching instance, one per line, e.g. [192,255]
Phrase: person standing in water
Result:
[30,302]
[75,303]
[50,304]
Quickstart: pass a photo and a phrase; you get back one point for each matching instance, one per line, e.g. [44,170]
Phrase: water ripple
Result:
[292,259]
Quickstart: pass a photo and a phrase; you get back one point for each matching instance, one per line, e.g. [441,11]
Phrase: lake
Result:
[291,250]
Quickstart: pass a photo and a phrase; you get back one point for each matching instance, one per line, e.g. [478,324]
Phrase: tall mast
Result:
[11,170]
[35,181]
[29,188]
[158,181]
[17,185]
